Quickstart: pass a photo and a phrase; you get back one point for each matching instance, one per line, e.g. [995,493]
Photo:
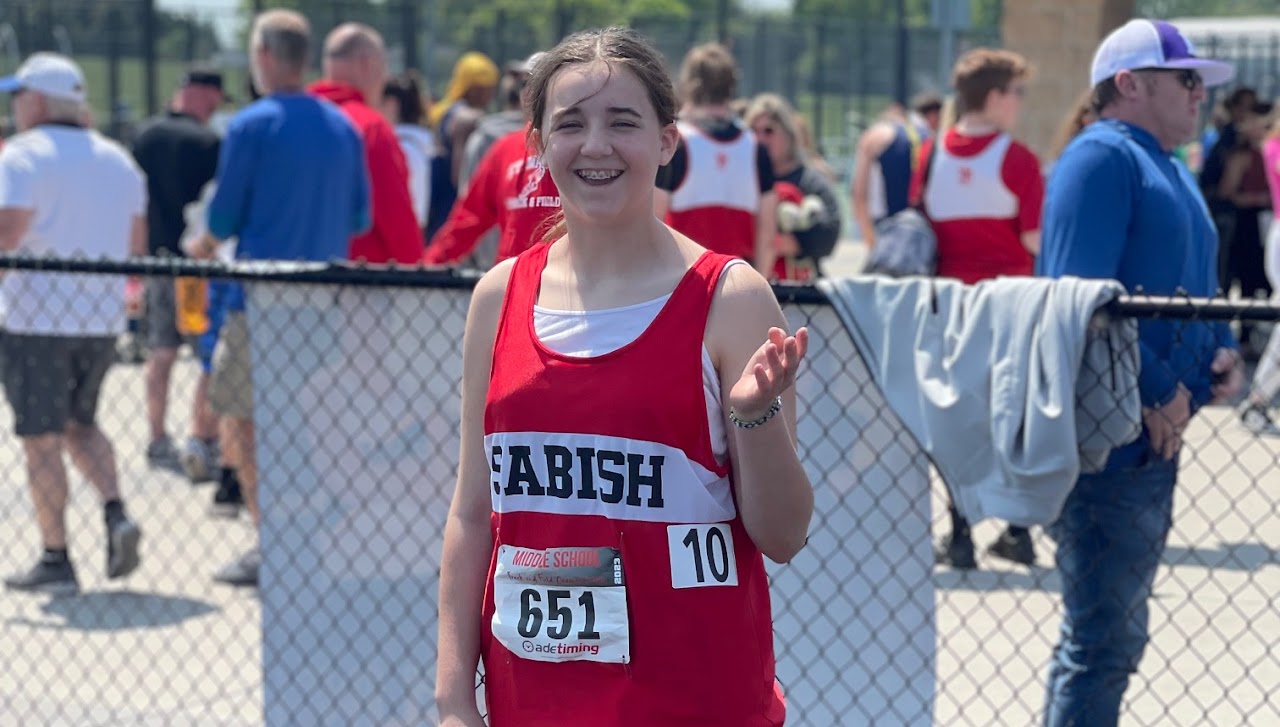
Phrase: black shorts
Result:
[53,380]
[161,314]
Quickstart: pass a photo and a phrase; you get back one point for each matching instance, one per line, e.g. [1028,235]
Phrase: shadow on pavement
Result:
[1038,578]
[118,610]
[1227,556]
[1242,557]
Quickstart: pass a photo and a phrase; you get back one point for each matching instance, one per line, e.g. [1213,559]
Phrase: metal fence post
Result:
[113,72]
[409,33]
[1273,52]
[148,8]
[864,39]
[819,80]
[759,52]
[789,51]
[21,30]
[901,54]
[563,20]
[500,37]
[45,24]
[192,39]
[722,22]
[1206,110]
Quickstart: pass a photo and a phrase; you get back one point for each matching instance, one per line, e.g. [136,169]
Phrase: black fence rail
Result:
[355,403]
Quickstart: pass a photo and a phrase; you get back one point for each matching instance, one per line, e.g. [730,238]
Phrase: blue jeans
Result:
[1110,536]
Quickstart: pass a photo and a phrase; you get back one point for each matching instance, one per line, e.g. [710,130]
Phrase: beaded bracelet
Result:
[773,410]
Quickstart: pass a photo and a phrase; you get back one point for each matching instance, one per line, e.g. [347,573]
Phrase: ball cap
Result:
[201,76]
[49,74]
[1153,44]
[531,62]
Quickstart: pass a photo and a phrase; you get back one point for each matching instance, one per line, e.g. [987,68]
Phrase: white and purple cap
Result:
[1153,44]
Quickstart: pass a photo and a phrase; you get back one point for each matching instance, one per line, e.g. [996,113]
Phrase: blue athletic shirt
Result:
[292,183]
[1120,207]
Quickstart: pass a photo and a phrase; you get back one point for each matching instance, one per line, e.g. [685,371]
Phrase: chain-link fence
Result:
[841,72]
[355,392]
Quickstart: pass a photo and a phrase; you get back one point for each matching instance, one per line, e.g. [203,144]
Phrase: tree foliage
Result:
[982,13]
[98,27]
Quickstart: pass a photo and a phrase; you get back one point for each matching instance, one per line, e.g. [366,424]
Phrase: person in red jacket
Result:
[511,189]
[355,72]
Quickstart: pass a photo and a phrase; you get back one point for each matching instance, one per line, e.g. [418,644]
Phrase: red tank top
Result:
[623,589]
[716,203]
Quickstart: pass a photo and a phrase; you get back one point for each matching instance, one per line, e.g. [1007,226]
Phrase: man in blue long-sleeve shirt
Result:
[1119,206]
[291,185]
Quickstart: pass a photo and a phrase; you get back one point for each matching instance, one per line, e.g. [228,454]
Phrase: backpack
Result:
[905,241]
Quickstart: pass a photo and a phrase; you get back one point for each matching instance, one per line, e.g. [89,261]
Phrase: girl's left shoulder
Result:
[744,303]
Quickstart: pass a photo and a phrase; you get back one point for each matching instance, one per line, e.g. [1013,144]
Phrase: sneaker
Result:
[1014,546]
[123,537]
[200,461]
[242,571]
[130,350]
[54,578]
[227,500]
[956,551]
[162,455]
[1258,422]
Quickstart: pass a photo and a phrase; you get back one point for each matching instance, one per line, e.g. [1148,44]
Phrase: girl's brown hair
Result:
[615,48]
[1082,114]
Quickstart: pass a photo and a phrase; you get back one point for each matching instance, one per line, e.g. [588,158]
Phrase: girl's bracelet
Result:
[753,423]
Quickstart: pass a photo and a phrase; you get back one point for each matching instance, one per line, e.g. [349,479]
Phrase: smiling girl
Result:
[628,442]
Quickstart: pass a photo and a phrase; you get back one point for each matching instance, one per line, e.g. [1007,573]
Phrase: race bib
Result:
[702,555]
[561,604]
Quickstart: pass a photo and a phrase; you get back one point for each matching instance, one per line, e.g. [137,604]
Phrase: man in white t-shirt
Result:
[65,191]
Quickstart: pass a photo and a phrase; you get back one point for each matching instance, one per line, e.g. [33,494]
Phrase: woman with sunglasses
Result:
[808,216]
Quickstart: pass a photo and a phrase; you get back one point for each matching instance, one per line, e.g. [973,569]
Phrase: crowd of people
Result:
[667,209]
[403,180]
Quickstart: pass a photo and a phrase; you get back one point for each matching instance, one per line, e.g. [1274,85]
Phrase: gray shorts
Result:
[230,383]
[161,314]
[53,380]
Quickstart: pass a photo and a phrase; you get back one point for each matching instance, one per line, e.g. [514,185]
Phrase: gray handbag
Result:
[905,242]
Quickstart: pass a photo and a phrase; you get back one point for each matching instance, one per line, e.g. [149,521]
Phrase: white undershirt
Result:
[597,332]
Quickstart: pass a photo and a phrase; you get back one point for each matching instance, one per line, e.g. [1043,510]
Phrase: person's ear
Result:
[670,139]
[1127,83]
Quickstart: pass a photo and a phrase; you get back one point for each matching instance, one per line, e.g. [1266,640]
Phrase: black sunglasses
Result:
[1187,78]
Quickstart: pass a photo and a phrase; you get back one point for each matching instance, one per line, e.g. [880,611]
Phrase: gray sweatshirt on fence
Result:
[1014,386]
